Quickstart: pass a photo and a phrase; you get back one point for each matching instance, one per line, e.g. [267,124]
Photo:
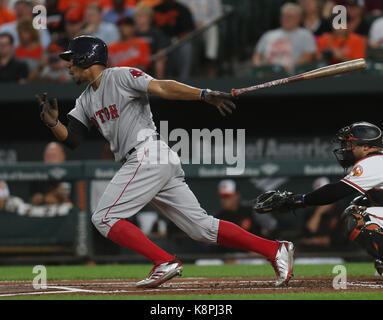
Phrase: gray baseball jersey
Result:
[152,173]
[119,109]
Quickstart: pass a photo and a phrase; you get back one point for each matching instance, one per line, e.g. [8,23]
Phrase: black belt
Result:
[155,138]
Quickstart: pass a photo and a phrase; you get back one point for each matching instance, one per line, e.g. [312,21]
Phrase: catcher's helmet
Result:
[86,51]
[358,133]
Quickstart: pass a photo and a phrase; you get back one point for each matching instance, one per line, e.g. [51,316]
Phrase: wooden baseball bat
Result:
[331,70]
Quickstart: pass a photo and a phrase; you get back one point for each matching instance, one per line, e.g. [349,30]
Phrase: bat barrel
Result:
[348,66]
[339,68]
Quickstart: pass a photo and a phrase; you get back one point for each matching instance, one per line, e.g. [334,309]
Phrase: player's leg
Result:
[178,203]
[133,186]
[365,226]
[181,206]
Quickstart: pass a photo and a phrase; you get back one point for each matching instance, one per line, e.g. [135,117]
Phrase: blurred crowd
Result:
[310,31]
[134,30]
[137,33]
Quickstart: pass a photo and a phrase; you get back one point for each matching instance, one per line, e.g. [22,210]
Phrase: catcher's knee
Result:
[354,218]
[358,228]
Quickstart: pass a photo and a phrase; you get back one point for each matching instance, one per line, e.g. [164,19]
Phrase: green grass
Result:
[83,272]
[223,271]
[280,296]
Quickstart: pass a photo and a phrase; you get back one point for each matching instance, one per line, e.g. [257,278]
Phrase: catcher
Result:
[360,147]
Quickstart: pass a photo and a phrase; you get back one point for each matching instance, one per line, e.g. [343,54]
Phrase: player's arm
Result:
[327,194]
[71,135]
[174,90]
[284,201]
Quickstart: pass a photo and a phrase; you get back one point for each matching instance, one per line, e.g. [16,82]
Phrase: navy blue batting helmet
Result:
[86,51]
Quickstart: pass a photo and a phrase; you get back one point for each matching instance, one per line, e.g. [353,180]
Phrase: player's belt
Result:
[154,137]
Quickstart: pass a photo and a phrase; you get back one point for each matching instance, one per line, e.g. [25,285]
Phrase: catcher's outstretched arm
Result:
[327,194]
[285,201]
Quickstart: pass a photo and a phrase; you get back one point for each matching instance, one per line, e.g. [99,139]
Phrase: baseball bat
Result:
[331,70]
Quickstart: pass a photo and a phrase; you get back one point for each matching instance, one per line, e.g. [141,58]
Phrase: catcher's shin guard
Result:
[359,229]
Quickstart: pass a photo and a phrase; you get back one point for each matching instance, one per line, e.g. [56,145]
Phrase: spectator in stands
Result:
[55,19]
[372,7]
[52,192]
[65,5]
[146,30]
[23,10]
[234,211]
[4,194]
[73,25]
[321,227]
[312,19]
[6,15]
[30,49]
[130,51]
[150,3]
[51,68]
[176,21]
[356,21]
[288,46]
[341,45]
[205,11]
[375,39]
[94,25]
[118,11]
[11,69]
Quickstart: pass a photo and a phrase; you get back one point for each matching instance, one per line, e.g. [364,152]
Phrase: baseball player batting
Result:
[116,102]
[360,148]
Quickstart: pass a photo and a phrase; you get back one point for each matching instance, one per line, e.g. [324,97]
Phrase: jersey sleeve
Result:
[133,79]
[78,113]
[365,175]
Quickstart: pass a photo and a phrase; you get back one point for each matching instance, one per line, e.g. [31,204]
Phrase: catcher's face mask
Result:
[344,148]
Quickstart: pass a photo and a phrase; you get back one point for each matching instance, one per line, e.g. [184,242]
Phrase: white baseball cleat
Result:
[283,262]
[161,273]
[379,268]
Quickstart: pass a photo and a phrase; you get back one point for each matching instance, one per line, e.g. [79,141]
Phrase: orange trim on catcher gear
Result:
[353,235]
[354,185]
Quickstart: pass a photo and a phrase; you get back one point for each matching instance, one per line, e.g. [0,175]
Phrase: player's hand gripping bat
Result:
[331,70]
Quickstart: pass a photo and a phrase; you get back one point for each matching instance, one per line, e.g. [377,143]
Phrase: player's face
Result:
[76,73]
[360,151]
[290,19]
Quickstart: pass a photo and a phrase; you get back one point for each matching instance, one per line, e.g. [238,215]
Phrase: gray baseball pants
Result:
[153,174]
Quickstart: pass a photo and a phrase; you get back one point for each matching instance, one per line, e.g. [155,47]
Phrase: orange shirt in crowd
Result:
[133,53]
[23,53]
[353,47]
[6,16]
[150,3]
[64,5]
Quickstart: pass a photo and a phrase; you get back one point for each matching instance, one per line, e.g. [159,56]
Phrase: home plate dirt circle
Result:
[186,286]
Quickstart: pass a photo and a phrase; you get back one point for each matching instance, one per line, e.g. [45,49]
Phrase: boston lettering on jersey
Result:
[104,114]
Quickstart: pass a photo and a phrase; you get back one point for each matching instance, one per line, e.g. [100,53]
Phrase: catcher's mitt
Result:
[277,201]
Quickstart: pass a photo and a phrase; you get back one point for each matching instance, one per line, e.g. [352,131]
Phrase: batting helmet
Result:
[86,51]
[358,133]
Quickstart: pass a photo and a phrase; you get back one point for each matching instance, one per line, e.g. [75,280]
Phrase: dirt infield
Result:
[185,286]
